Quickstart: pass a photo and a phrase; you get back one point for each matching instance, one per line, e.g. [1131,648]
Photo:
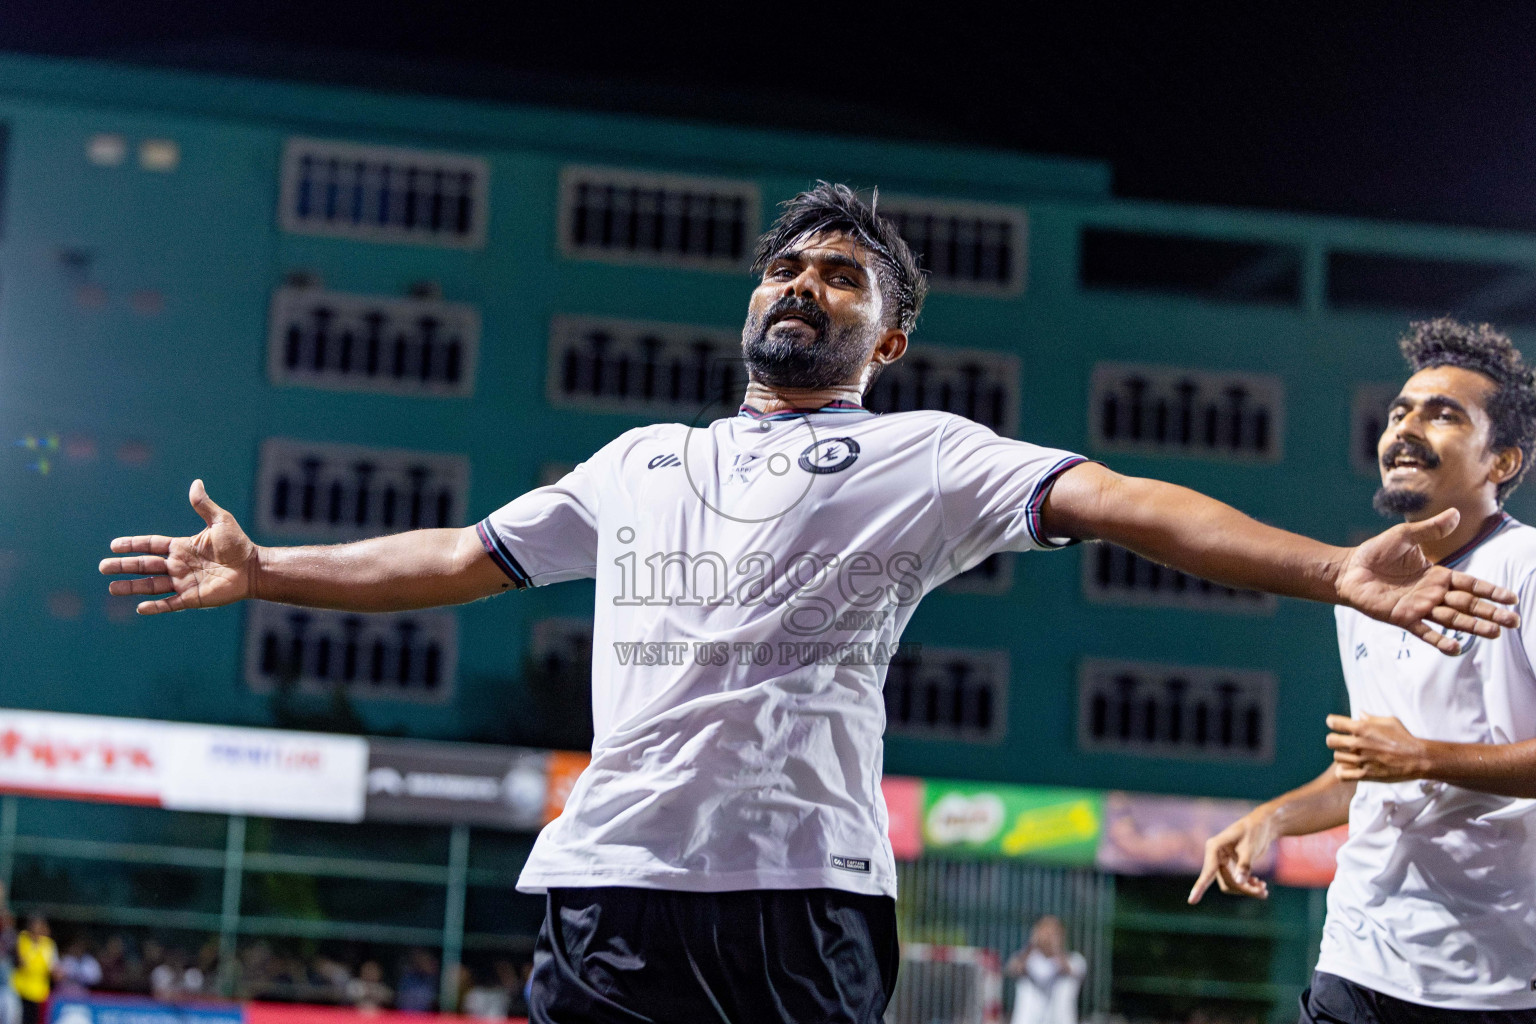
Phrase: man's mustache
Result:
[1413,448]
[804,308]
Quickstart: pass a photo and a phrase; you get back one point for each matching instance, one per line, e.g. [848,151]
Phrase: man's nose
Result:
[803,283]
[1410,426]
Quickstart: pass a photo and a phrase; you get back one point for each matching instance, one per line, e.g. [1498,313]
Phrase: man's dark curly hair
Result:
[1511,406]
[829,207]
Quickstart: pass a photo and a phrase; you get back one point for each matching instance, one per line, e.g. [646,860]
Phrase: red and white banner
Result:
[297,1013]
[1309,861]
[82,756]
[904,804]
[183,767]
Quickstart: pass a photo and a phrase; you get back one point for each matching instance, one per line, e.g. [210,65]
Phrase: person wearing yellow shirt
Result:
[37,963]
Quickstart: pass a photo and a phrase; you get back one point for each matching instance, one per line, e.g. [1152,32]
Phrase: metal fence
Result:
[992,905]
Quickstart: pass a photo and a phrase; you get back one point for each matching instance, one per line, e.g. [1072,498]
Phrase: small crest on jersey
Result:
[831,455]
[661,461]
[1360,651]
[851,863]
[742,465]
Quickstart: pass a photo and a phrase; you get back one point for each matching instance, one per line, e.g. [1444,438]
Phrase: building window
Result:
[1367,422]
[1183,712]
[975,383]
[398,346]
[1212,269]
[404,656]
[384,193]
[1113,575]
[635,217]
[947,693]
[333,492]
[965,247]
[1160,410]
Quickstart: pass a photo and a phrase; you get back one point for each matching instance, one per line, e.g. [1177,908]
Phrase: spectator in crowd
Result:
[1049,976]
[255,967]
[117,971]
[367,992]
[10,1002]
[151,956]
[417,989]
[139,963]
[79,971]
[486,1001]
[515,980]
[37,967]
[331,977]
[175,978]
[208,967]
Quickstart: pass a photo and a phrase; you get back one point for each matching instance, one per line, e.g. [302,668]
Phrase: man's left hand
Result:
[1390,578]
[1375,748]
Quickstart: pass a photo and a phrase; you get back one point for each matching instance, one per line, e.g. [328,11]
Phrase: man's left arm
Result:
[1376,748]
[1388,577]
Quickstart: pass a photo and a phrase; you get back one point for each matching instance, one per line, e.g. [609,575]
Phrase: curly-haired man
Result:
[725,857]
[1432,914]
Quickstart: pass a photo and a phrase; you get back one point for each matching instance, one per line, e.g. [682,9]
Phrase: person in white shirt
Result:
[79,971]
[725,856]
[1049,976]
[1432,911]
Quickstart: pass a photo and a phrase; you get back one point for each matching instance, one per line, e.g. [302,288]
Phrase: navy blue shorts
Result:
[1333,1000]
[648,956]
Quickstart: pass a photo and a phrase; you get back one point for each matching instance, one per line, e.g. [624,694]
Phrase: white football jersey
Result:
[753,580]
[1434,901]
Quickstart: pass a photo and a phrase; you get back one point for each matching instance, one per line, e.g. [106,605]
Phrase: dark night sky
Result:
[1406,111]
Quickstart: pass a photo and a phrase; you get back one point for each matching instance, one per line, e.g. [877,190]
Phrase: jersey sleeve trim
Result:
[501,556]
[1037,502]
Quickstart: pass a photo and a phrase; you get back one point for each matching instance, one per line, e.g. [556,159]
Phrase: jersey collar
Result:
[842,405]
[1492,527]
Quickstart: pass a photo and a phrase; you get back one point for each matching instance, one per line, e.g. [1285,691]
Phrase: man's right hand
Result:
[218,566]
[1230,854]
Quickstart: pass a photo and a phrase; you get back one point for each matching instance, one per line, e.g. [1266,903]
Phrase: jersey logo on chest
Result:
[1408,646]
[832,455]
[742,465]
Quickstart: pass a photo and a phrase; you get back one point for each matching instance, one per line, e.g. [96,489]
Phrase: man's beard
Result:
[836,355]
[1396,502]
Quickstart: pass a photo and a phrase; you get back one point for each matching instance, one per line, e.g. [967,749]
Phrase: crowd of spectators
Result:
[141,964]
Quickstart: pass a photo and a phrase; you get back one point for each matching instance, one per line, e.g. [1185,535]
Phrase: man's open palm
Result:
[216,567]
[1389,578]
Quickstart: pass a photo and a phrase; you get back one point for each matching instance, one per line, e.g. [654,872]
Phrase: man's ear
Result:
[1506,464]
[891,347]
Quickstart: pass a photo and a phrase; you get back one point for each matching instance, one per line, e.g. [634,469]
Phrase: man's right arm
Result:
[401,572]
[220,565]
[1317,806]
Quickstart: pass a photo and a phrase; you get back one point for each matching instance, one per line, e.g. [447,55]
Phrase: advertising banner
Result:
[83,757]
[1060,826]
[447,783]
[298,1013]
[132,1010]
[1309,861]
[282,774]
[183,767]
[904,803]
[563,768]
[265,772]
[1163,835]
[135,1010]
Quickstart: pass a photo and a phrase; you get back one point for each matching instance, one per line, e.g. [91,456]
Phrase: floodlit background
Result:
[362,270]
